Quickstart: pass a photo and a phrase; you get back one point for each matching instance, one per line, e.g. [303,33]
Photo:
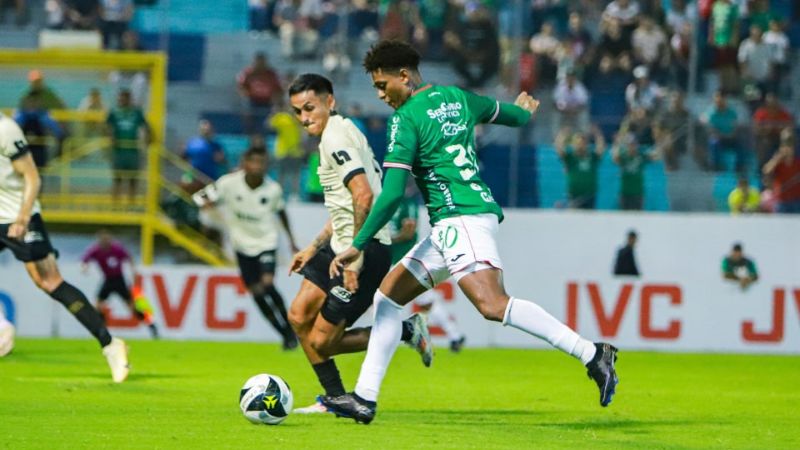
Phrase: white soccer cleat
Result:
[421,338]
[315,408]
[6,338]
[116,354]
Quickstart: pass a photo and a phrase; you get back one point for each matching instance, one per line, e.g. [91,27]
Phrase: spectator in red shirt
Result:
[110,255]
[784,168]
[769,119]
[260,87]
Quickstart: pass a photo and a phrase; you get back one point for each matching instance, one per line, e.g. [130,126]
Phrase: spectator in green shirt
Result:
[739,268]
[631,161]
[48,99]
[581,160]
[125,122]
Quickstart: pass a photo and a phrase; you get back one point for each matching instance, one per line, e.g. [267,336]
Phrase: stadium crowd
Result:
[617,72]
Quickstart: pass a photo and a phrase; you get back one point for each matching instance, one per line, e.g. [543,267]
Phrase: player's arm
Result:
[406,233]
[560,143]
[599,141]
[23,164]
[727,272]
[362,200]
[388,201]
[301,258]
[285,222]
[489,110]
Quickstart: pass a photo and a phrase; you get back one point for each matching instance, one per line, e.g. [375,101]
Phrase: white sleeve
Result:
[341,153]
[12,141]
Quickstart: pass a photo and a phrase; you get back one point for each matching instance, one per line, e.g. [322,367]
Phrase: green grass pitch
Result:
[58,394]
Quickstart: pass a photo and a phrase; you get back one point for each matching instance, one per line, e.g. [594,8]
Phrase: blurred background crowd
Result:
[665,105]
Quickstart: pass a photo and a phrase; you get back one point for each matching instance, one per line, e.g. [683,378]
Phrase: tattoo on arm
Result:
[323,238]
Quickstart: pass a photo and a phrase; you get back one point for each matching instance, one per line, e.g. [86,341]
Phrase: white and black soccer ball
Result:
[265,399]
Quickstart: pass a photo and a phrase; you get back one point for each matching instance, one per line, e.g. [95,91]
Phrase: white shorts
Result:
[457,246]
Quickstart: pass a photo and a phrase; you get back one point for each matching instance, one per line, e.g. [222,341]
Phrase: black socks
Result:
[329,378]
[77,304]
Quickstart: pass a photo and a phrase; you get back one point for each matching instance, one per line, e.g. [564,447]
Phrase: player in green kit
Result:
[431,135]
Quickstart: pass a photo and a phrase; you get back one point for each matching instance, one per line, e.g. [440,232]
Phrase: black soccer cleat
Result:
[458,344]
[350,406]
[601,370]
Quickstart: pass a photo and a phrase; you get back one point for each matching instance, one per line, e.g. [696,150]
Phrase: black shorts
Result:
[340,305]
[114,285]
[35,246]
[252,267]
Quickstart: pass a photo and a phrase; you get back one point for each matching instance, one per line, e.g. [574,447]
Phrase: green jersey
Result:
[125,124]
[408,210]
[582,173]
[632,179]
[432,135]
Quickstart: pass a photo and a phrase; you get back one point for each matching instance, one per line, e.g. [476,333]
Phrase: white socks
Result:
[438,315]
[383,341]
[532,319]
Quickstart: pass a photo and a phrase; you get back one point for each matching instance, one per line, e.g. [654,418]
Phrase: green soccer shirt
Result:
[432,135]
[408,210]
[125,123]
[632,179]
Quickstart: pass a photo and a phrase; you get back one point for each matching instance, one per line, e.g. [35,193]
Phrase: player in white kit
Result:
[325,308]
[251,204]
[22,231]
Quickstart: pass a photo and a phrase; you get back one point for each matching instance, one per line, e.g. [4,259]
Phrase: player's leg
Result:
[278,308]
[121,288]
[421,269]
[481,280]
[251,272]
[271,291]
[37,254]
[7,332]
[45,275]
[102,299]
[439,316]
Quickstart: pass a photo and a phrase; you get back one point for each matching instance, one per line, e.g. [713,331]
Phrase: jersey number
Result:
[341,157]
[465,160]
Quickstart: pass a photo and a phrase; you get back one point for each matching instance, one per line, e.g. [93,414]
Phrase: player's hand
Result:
[351,280]
[527,102]
[408,227]
[300,259]
[342,259]
[18,229]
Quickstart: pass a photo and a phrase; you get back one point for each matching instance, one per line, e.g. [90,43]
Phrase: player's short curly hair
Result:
[391,56]
[311,82]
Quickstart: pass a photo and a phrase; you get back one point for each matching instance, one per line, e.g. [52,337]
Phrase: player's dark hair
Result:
[255,151]
[737,247]
[311,82]
[631,234]
[391,56]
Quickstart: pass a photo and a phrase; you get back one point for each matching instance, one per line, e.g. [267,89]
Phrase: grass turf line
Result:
[58,394]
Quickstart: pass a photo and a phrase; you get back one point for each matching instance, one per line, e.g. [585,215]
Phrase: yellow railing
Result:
[74,194]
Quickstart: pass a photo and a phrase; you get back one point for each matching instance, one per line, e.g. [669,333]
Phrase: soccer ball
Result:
[265,399]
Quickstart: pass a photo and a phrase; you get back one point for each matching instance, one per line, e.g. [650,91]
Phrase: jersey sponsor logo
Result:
[266,258]
[245,217]
[445,111]
[20,145]
[450,129]
[487,197]
[342,294]
[393,133]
